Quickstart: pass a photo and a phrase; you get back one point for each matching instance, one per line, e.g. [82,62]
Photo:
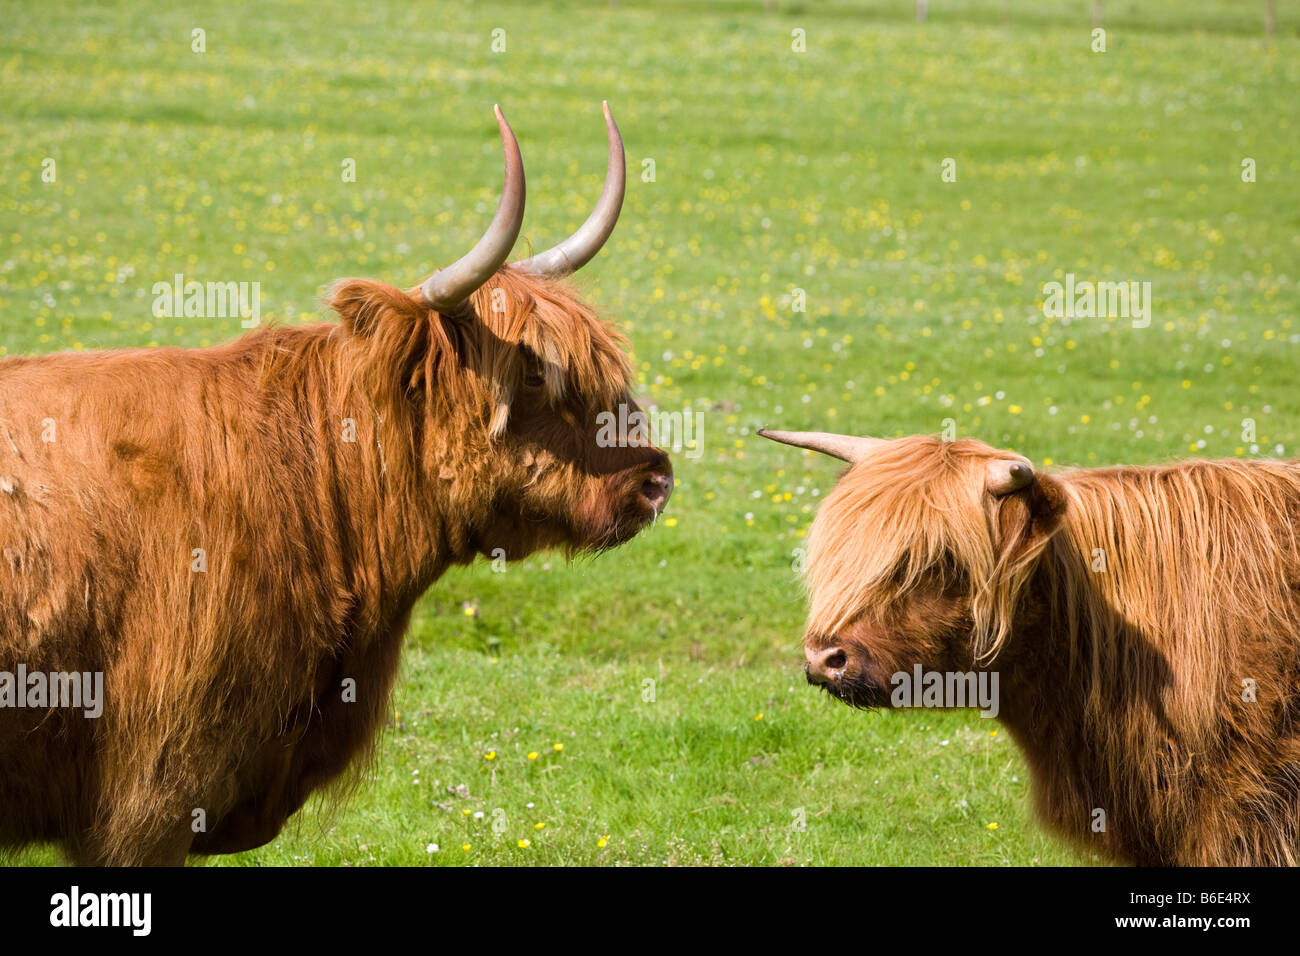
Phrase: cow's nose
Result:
[657,489]
[824,665]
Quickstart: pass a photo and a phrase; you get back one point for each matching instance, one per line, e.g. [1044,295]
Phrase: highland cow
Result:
[234,537]
[1144,623]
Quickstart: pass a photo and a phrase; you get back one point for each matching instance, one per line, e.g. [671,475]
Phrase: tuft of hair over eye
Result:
[534,374]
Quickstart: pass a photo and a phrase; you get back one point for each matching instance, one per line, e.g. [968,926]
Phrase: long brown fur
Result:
[1130,614]
[225,689]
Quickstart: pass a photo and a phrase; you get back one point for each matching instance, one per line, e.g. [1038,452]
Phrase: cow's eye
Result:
[532,369]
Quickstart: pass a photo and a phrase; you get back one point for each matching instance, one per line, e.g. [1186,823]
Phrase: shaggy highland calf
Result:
[234,537]
[1144,624]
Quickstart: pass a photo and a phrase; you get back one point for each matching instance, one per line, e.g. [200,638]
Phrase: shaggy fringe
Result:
[925,497]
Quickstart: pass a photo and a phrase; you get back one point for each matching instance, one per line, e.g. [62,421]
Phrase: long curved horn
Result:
[848,448]
[581,247]
[448,288]
[1003,476]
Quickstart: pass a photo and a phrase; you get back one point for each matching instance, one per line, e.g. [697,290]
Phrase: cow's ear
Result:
[1022,525]
[405,347]
[369,308]
[1025,520]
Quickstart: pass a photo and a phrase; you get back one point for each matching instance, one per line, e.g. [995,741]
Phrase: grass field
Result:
[527,733]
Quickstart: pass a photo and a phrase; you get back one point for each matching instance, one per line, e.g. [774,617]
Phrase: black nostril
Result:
[825,666]
[656,488]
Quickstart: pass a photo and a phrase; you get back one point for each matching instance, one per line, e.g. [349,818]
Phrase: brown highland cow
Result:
[233,538]
[1143,623]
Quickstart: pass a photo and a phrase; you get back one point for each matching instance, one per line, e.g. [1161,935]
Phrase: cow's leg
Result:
[169,850]
[167,846]
[136,819]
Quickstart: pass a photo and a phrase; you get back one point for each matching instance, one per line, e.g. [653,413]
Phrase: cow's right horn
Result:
[448,288]
[581,247]
[848,448]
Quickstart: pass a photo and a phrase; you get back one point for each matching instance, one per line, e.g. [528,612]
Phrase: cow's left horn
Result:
[581,247]
[1004,476]
[848,448]
[448,288]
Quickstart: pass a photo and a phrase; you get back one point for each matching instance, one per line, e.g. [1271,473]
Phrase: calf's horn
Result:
[448,288]
[1004,476]
[579,249]
[848,448]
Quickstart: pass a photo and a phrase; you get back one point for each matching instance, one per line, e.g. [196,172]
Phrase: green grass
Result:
[774,170]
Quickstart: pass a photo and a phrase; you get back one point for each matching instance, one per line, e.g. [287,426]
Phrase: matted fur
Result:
[225,688]
[1126,611]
